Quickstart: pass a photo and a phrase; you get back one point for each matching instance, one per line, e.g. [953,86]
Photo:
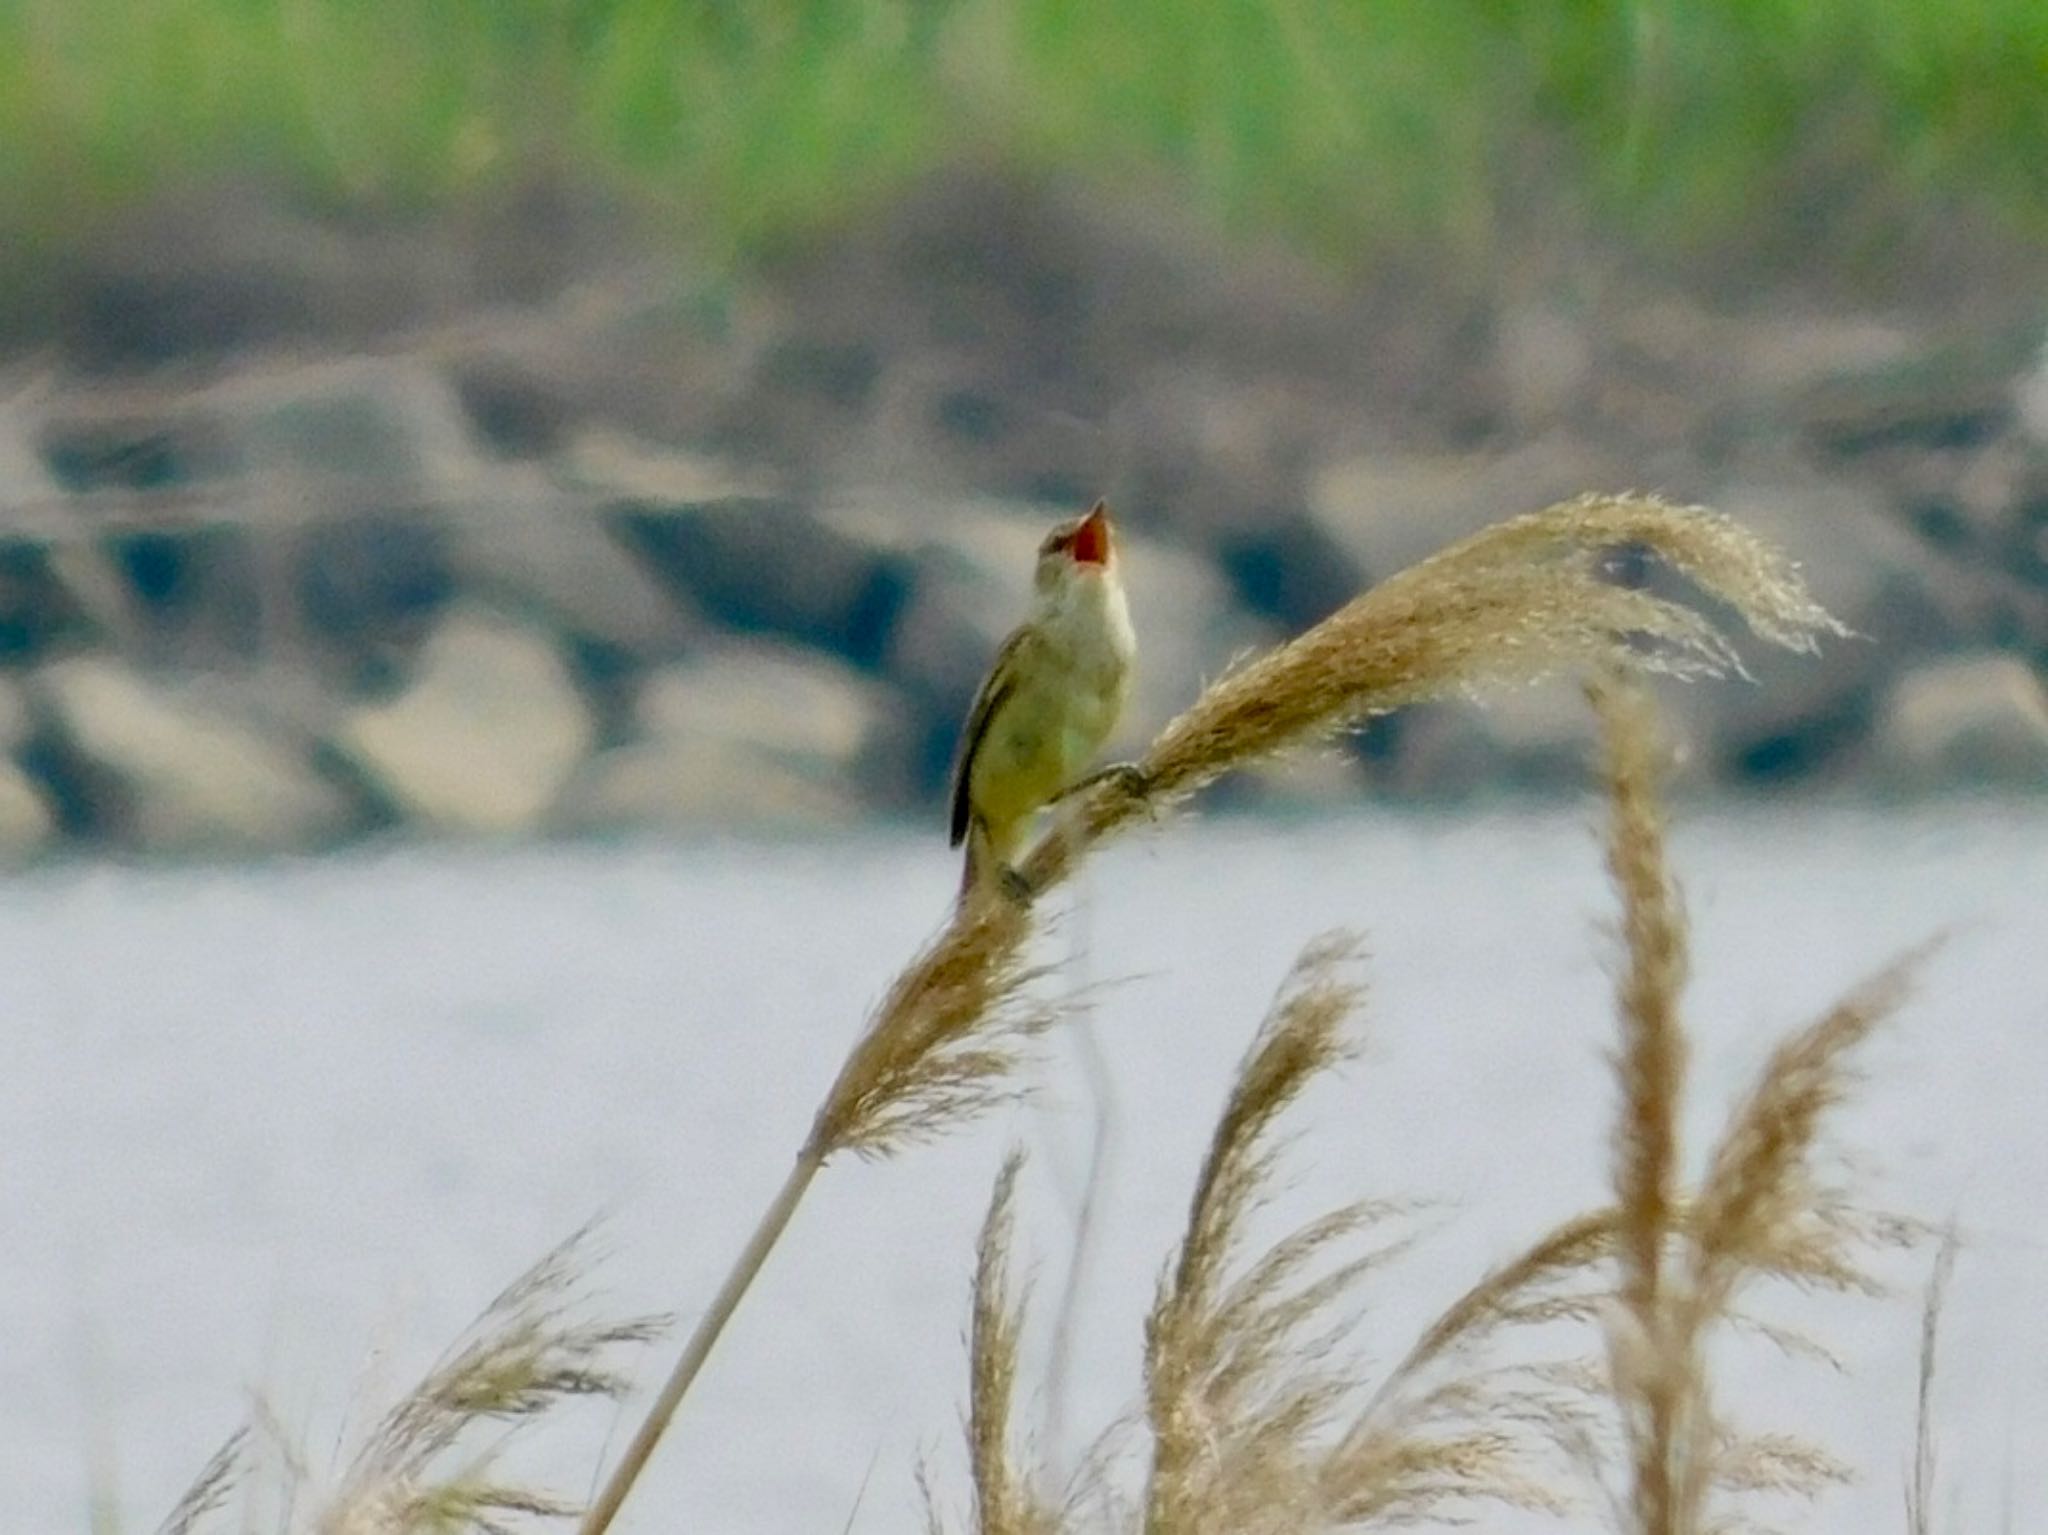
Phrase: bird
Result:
[1049,701]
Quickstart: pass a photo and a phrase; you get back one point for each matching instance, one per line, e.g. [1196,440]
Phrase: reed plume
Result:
[1006,1498]
[1761,1209]
[415,1472]
[1510,604]
[1256,1418]
[1227,1400]
[211,1489]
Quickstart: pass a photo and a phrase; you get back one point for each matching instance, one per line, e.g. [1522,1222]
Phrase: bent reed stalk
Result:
[1511,604]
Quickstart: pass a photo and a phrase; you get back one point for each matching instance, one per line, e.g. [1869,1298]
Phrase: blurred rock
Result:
[623,465]
[39,613]
[772,567]
[1290,569]
[372,427]
[26,825]
[2023,539]
[700,785]
[192,777]
[1544,365]
[2030,398]
[516,412]
[753,736]
[26,485]
[1973,719]
[799,706]
[17,722]
[371,587]
[485,734]
[1388,511]
[1537,738]
[97,449]
[529,547]
[193,594]
[1807,718]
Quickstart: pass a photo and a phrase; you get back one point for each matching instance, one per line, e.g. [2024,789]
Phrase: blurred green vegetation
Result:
[1346,125]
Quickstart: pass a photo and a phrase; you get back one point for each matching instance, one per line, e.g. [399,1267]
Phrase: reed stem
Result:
[774,1221]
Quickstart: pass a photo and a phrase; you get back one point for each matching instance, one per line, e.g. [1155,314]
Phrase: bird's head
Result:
[1078,549]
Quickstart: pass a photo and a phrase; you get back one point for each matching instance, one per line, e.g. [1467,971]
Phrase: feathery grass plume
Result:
[527,1353]
[1005,1501]
[1666,1380]
[1760,1207]
[1760,1211]
[1511,604]
[945,1041]
[1228,1399]
[211,1489]
[1651,1064]
[1245,1394]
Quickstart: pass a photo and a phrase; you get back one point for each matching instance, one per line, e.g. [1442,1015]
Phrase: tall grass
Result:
[1508,605]
[1252,1418]
[1346,126]
[431,1463]
[1251,1426]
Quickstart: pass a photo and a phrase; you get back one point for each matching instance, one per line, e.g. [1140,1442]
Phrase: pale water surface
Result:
[285,1129]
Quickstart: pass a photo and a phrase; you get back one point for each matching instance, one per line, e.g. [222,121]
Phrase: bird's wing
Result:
[995,687]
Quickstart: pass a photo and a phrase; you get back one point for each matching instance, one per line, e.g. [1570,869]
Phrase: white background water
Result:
[284,1130]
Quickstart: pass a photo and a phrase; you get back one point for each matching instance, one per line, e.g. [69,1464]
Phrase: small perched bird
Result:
[1050,700]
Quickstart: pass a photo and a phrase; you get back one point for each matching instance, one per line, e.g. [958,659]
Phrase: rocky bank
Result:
[309,533]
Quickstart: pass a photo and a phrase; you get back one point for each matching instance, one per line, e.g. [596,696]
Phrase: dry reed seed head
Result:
[1301,1036]
[1233,1392]
[1005,1502]
[1758,1183]
[525,1354]
[1529,1288]
[1511,604]
[945,1042]
[211,1489]
[1713,551]
[1651,1060]
[1777,1463]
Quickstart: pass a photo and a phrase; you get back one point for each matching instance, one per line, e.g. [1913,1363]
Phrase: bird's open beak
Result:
[1091,539]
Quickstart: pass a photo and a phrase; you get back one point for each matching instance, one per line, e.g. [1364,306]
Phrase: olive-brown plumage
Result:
[1050,700]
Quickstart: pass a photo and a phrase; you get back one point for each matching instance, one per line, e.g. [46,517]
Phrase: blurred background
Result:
[594,415]
[567,463]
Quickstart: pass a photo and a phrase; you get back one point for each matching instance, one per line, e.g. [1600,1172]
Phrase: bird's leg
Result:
[1128,776]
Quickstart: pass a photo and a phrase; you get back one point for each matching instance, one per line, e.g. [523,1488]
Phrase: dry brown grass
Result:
[430,1465]
[1761,1209]
[1256,1420]
[1510,604]
[1007,1497]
